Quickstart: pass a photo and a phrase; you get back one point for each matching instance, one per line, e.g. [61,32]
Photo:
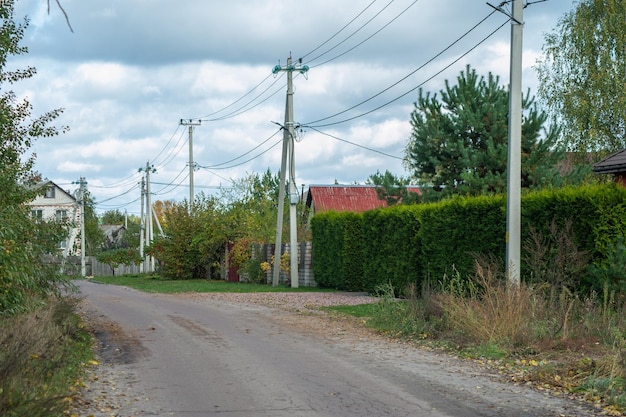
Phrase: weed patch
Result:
[43,355]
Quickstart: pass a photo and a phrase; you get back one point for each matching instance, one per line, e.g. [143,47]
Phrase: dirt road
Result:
[192,356]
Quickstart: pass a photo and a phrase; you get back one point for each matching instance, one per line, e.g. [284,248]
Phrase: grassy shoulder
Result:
[43,357]
[565,346]
[156,284]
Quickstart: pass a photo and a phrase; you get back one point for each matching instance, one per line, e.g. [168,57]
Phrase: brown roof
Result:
[352,198]
[613,164]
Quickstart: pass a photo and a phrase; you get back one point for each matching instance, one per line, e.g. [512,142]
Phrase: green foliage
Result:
[454,231]
[610,273]
[121,256]
[393,189]
[354,260]
[562,231]
[253,271]
[581,75]
[328,236]
[43,354]
[22,240]
[555,258]
[112,217]
[193,243]
[391,247]
[251,207]
[339,262]
[157,284]
[459,142]
[94,236]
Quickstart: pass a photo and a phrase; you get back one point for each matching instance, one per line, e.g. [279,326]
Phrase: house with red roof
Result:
[351,198]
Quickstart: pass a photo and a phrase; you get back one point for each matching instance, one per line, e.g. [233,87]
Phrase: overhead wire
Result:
[356,144]
[121,183]
[118,206]
[117,196]
[368,38]
[156,158]
[238,100]
[172,182]
[243,109]
[407,76]
[244,154]
[244,162]
[353,33]
[340,30]
[175,150]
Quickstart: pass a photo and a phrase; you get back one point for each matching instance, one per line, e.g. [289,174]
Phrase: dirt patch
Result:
[114,345]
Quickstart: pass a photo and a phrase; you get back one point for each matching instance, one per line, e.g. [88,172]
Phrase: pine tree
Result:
[459,141]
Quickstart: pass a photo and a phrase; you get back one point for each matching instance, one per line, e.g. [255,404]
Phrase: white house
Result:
[56,203]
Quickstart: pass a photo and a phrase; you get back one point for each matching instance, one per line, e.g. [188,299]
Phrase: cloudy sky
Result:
[132,69]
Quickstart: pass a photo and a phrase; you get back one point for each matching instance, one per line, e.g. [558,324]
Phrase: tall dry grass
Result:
[41,358]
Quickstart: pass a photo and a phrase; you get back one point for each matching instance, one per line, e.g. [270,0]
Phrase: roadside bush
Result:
[42,356]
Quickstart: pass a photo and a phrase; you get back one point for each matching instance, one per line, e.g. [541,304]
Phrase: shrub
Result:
[42,355]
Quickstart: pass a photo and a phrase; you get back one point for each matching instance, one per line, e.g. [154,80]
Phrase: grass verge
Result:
[43,356]
[156,284]
[564,345]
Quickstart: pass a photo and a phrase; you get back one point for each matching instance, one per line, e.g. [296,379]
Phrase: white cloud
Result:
[133,69]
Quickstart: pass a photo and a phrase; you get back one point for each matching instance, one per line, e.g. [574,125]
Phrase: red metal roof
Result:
[353,198]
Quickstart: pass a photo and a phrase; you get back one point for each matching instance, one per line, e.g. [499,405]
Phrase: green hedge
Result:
[454,231]
[411,244]
[338,252]
[327,231]
[391,247]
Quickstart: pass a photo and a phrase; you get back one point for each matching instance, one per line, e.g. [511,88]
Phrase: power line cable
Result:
[368,38]
[243,108]
[182,141]
[353,33]
[244,154]
[131,179]
[119,195]
[216,187]
[117,206]
[340,30]
[156,158]
[244,162]
[172,183]
[356,144]
[236,101]
[404,78]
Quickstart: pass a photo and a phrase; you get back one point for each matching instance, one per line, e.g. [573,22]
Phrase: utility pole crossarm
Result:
[191,123]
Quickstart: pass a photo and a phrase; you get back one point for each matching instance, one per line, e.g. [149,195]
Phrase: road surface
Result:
[169,355]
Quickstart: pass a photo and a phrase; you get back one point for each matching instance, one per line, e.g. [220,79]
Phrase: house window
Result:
[36,214]
[49,192]
[61,215]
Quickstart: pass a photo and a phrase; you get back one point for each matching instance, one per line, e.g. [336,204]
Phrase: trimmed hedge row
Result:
[412,244]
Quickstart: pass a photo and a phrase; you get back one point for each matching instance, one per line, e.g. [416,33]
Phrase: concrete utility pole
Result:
[82,190]
[149,233]
[191,123]
[513,209]
[142,226]
[288,155]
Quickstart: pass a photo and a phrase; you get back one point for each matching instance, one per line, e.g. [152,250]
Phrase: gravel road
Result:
[276,354]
